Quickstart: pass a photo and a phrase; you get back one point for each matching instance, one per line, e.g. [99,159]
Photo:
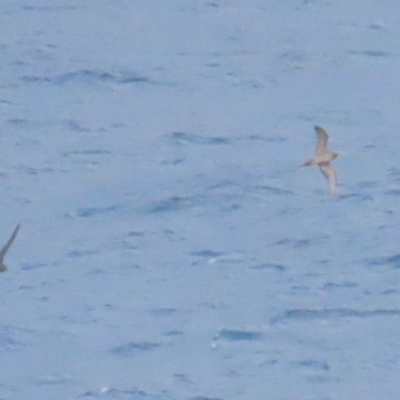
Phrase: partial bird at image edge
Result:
[4,250]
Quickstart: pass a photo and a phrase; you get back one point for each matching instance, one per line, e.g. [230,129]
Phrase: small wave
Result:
[87,152]
[33,266]
[307,314]
[300,243]
[393,192]
[91,211]
[102,76]
[234,335]
[205,398]
[274,190]
[173,203]
[181,138]
[52,8]
[163,312]
[312,364]
[393,261]
[113,393]
[134,348]
[371,53]
[275,267]
[87,75]
[81,253]
[206,253]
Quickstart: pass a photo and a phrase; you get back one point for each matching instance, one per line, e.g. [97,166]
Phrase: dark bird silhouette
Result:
[4,250]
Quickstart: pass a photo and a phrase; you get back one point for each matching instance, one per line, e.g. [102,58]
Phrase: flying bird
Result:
[3,251]
[323,158]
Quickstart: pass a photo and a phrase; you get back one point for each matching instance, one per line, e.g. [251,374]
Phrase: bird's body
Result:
[323,158]
[4,250]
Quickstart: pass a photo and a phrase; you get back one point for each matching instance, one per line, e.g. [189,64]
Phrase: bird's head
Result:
[307,163]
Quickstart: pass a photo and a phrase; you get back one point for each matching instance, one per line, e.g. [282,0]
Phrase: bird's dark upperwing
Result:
[322,145]
[8,244]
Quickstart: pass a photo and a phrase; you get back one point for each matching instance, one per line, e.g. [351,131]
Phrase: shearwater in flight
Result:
[323,158]
[3,251]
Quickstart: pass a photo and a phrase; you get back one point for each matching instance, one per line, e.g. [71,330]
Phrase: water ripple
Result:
[181,138]
[134,348]
[307,314]
[393,261]
[234,335]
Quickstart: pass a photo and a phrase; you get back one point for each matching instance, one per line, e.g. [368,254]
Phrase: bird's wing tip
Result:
[318,129]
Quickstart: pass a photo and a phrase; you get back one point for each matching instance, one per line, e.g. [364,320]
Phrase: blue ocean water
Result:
[171,247]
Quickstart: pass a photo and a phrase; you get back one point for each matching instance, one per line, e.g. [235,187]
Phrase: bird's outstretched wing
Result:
[322,145]
[8,244]
[330,174]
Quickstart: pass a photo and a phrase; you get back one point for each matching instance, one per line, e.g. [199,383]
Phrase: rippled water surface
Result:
[170,246]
